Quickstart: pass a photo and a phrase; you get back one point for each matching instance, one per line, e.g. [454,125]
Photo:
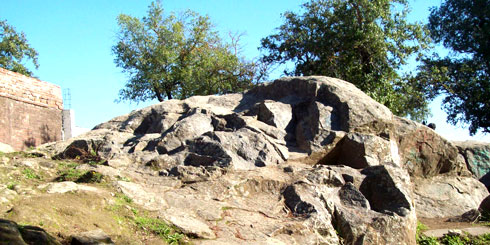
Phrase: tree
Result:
[463,26]
[14,49]
[361,41]
[178,57]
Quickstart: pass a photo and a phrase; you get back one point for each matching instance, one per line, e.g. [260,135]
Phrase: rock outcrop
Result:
[477,157]
[301,160]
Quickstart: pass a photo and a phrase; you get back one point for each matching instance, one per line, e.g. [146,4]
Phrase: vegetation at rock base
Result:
[463,26]
[65,214]
[14,50]
[447,239]
[363,42]
[178,56]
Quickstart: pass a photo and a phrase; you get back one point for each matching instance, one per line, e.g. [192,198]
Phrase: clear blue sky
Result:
[74,40]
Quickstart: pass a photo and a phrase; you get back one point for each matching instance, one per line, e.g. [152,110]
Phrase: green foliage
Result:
[11,185]
[14,49]
[70,174]
[143,221]
[158,227]
[426,240]
[463,76]
[423,239]
[30,174]
[361,41]
[455,240]
[421,227]
[170,56]
[125,198]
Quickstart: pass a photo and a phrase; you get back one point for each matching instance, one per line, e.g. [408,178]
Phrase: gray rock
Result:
[95,237]
[283,162]
[447,196]
[11,233]
[484,206]
[350,195]
[424,153]
[276,114]
[470,216]
[477,157]
[388,218]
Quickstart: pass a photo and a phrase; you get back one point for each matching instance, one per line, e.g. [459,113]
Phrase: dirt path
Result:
[439,226]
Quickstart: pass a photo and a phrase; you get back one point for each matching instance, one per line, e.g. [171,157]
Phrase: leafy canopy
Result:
[364,42]
[170,56]
[463,76]
[14,49]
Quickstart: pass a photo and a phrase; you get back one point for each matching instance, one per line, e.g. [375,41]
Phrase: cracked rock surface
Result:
[301,160]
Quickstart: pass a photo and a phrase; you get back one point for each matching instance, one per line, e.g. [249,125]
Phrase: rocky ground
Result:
[53,202]
[308,160]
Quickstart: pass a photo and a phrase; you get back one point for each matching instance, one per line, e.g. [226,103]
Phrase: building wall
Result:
[30,111]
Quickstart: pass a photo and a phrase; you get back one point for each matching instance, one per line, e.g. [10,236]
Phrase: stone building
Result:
[30,111]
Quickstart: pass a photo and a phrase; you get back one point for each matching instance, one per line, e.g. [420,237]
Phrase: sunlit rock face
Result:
[300,160]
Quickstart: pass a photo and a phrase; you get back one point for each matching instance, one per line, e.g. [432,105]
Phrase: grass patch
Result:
[123,178]
[423,239]
[68,172]
[142,220]
[22,154]
[30,174]
[158,227]
[465,239]
[11,185]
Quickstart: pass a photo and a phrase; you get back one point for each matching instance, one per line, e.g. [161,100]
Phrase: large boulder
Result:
[303,160]
[477,157]
[447,196]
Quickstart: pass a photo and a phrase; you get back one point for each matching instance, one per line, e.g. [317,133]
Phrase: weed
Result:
[124,198]
[224,208]
[70,174]
[426,240]
[123,178]
[30,174]
[142,221]
[65,165]
[158,227]
[421,227]
[11,185]
[423,239]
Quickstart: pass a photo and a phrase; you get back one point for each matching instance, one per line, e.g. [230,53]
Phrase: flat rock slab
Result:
[475,231]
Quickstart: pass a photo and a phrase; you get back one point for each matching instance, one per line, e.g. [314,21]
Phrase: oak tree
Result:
[14,50]
[463,76]
[361,41]
[178,56]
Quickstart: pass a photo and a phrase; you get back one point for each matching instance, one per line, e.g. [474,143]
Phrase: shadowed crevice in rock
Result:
[382,193]
[350,195]
[293,201]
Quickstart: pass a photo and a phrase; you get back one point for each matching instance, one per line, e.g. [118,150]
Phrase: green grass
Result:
[68,172]
[158,227]
[465,239]
[143,221]
[11,185]
[30,174]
